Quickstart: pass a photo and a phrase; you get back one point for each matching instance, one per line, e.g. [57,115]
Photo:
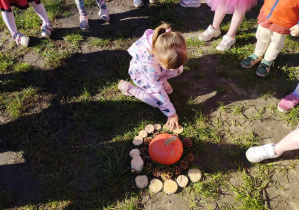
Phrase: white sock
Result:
[41,12]
[10,22]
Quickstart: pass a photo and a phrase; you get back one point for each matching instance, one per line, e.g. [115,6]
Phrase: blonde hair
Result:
[169,47]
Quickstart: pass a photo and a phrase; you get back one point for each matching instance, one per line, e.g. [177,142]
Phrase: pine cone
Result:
[144,151]
[149,166]
[190,157]
[156,172]
[146,159]
[148,140]
[184,165]
[177,170]
[166,175]
[187,142]
[157,133]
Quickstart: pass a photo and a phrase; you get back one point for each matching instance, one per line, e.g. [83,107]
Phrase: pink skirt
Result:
[229,6]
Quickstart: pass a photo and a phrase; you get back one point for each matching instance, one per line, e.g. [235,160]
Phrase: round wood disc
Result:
[182,180]
[141,181]
[194,174]
[138,140]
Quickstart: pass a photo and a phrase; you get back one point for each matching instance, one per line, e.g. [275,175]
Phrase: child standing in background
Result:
[103,13]
[259,153]
[221,8]
[277,19]
[157,56]
[8,17]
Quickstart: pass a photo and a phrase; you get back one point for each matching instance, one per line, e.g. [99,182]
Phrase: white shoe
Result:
[208,34]
[21,39]
[259,153]
[226,43]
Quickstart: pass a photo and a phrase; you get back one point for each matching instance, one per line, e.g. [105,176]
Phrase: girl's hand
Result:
[295,30]
[173,121]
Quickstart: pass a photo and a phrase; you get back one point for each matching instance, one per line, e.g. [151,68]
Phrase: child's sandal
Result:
[264,68]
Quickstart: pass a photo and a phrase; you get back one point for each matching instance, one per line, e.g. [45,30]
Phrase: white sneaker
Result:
[208,34]
[226,43]
[259,153]
[21,39]
[167,87]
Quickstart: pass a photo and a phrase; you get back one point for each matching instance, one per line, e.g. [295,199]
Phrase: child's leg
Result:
[235,23]
[289,142]
[41,11]
[81,7]
[263,37]
[218,17]
[104,13]
[296,91]
[275,46]
[10,22]
[143,96]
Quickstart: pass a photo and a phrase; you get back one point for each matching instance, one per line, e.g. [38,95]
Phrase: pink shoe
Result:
[84,23]
[124,87]
[167,87]
[288,103]
[104,14]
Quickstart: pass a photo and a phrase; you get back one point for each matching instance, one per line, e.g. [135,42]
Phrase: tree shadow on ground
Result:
[70,155]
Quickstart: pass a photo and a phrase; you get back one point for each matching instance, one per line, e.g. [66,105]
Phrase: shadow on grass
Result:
[70,155]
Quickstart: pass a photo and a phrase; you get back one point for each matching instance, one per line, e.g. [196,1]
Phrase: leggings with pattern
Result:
[81,6]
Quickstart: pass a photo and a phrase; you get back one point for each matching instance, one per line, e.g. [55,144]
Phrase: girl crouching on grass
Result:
[157,56]
[8,17]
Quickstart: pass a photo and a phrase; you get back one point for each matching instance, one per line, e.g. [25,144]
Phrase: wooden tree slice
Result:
[170,186]
[182,180]
[138,140]
[166,128]
[149,128]
[134,153]
[194,174]
[141,181]
[155,185]
[137,164]
[178,130]
[157,127]
[142,133]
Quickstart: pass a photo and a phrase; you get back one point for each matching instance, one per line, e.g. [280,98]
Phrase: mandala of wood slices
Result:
[163,157]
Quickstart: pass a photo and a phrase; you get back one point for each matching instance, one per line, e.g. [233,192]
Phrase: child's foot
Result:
[138,3]
[259,153]
[167,87]
[264,68]
[190,3]
[104,13]
[226,43]
[46,30]
[250,61]
[208,34]
[84,23]
[124,87]
[288,103]
[21,39]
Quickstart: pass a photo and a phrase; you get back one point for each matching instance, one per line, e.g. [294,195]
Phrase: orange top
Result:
[282,12]
[265,23]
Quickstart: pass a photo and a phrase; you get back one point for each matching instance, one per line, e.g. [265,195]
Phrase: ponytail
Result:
[169,47]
